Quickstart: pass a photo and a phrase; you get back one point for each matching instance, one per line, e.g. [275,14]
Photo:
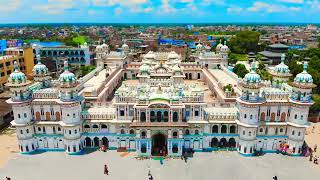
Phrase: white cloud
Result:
[293,1]
[234,10]
[10,5]
[271,8]
[214,2]
[166,7]
[118,2]
[59,6]
[314,5]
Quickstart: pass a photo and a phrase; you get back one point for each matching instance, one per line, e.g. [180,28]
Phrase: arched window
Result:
[175,117]
[263,116]
[283,117]
[223,129]
[131,131]
[243,132]
[249,133]
[281,130]
[273,116]
[48,116]
[103,126]
[95,126]
[215,129]
[187,132]
[86,126]
[122,131]
[38,116]
[196,132]
[292,133]
[58,116]
[299,133]
[142,117]
[245,116]
[175,135]
[143,135]
[232,129]
[261,130]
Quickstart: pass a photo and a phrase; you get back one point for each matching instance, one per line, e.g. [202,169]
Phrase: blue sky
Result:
[159,11]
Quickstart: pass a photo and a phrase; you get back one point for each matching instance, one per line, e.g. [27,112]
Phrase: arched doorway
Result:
[214,142]
[159,144]
[223,143]
[105,142]
[96,142]
[215,129]
[88,142]
[232,143]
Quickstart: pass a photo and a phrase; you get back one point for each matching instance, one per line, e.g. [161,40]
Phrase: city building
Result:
[53,57]
[160,106]
[22,55]
[273,53]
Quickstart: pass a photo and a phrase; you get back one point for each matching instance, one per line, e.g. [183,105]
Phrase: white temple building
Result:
[160,106]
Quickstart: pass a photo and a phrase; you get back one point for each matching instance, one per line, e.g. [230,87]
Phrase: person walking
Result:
[106,171]
[315,148]
[275,178]
[310,157]
[151,178]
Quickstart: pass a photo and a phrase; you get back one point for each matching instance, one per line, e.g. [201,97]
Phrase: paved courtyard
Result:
[204,166]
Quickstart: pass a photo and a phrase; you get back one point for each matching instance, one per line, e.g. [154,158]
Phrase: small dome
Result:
[17,76]
[219,46]
[150,55]
[173,55]
[98,48]
[67,76]
[176,68]
[282,68]
[39,68]
[125,46]
[225,48]
[199,46]
[304,76]
[252,76]
[144,69]
[104,46]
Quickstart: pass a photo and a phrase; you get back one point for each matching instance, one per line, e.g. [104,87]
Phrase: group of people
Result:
[312,157]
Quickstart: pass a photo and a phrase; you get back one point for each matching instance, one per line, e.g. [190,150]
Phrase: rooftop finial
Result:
[283,57]
[16,66]
[254,66]
[66,65]
[38,59]
[305,66]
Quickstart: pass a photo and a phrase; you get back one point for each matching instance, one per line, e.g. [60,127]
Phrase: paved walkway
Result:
[204,166]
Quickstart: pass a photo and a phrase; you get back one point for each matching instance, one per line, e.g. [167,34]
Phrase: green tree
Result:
[240,70]
[244,42]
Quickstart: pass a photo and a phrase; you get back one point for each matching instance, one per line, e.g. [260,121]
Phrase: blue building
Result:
[3,45]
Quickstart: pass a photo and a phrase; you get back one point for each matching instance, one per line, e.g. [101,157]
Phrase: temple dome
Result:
[219,46]
[67,76]
[282,68]
[304,76]
[252,76]
[150,55]
[17,76]
[173,55]
[144,69]
[39,68]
